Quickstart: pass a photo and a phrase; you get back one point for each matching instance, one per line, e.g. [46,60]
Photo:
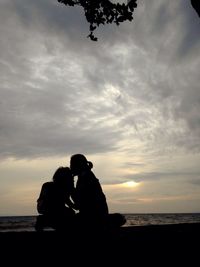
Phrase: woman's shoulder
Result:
[47,185]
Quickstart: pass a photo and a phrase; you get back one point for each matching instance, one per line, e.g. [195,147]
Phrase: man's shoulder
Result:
[91,176]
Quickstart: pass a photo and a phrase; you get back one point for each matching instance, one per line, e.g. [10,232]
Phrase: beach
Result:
[156,244]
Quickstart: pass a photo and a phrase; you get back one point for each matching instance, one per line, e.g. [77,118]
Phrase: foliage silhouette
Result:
[99,12]
[196,5]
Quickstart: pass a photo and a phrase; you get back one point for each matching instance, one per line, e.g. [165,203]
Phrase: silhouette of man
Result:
[89,197]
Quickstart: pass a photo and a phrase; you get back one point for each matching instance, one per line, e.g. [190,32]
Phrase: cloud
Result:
[156,176]
[195,181]
[132,90]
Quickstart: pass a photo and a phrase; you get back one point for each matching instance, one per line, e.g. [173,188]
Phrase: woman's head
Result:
[79,163]
[63,176]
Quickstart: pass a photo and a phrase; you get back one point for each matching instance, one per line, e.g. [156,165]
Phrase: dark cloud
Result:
[49,16]
[61,92]
[195,181]
[190,38]
[42,124]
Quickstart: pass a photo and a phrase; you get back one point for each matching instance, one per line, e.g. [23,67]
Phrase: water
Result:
[17,223]
[161,218]
[26,223]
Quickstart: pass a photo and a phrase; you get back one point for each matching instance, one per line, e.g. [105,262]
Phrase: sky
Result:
[129,102]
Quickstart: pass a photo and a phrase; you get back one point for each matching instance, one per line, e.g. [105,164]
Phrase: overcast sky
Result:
[130,102]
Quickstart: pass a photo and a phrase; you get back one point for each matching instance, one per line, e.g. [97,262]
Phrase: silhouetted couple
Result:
[59,199]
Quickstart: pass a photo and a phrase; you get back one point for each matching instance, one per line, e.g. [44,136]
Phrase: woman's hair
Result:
[61,173]
[79,161]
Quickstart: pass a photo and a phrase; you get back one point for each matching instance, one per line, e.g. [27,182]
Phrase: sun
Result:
[130,184]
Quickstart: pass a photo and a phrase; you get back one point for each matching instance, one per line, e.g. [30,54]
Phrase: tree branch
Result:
[100,12]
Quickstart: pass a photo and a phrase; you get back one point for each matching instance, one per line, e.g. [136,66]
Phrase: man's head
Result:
[79,163]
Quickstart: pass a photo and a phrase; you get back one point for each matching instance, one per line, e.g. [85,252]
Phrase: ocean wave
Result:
[27,223]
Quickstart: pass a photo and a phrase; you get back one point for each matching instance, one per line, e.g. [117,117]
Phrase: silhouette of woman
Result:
[89,197]
[52,201]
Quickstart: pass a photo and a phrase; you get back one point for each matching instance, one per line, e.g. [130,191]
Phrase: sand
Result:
[162,245]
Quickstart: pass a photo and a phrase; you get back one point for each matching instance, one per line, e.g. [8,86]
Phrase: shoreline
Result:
[138,243]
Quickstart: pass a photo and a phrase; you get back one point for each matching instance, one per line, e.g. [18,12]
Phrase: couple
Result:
[87,198]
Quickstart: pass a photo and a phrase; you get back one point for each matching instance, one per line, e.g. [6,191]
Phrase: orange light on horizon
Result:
[130,184]
[126,186]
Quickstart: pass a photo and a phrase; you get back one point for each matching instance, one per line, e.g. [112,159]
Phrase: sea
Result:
[26,223]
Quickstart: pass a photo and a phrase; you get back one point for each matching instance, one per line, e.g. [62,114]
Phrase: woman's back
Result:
[55,194]
[52,198]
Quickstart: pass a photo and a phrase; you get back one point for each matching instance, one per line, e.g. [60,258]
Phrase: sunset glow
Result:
[130,184]
[129,102]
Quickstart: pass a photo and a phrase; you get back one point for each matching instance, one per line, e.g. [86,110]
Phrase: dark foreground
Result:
[163,245]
